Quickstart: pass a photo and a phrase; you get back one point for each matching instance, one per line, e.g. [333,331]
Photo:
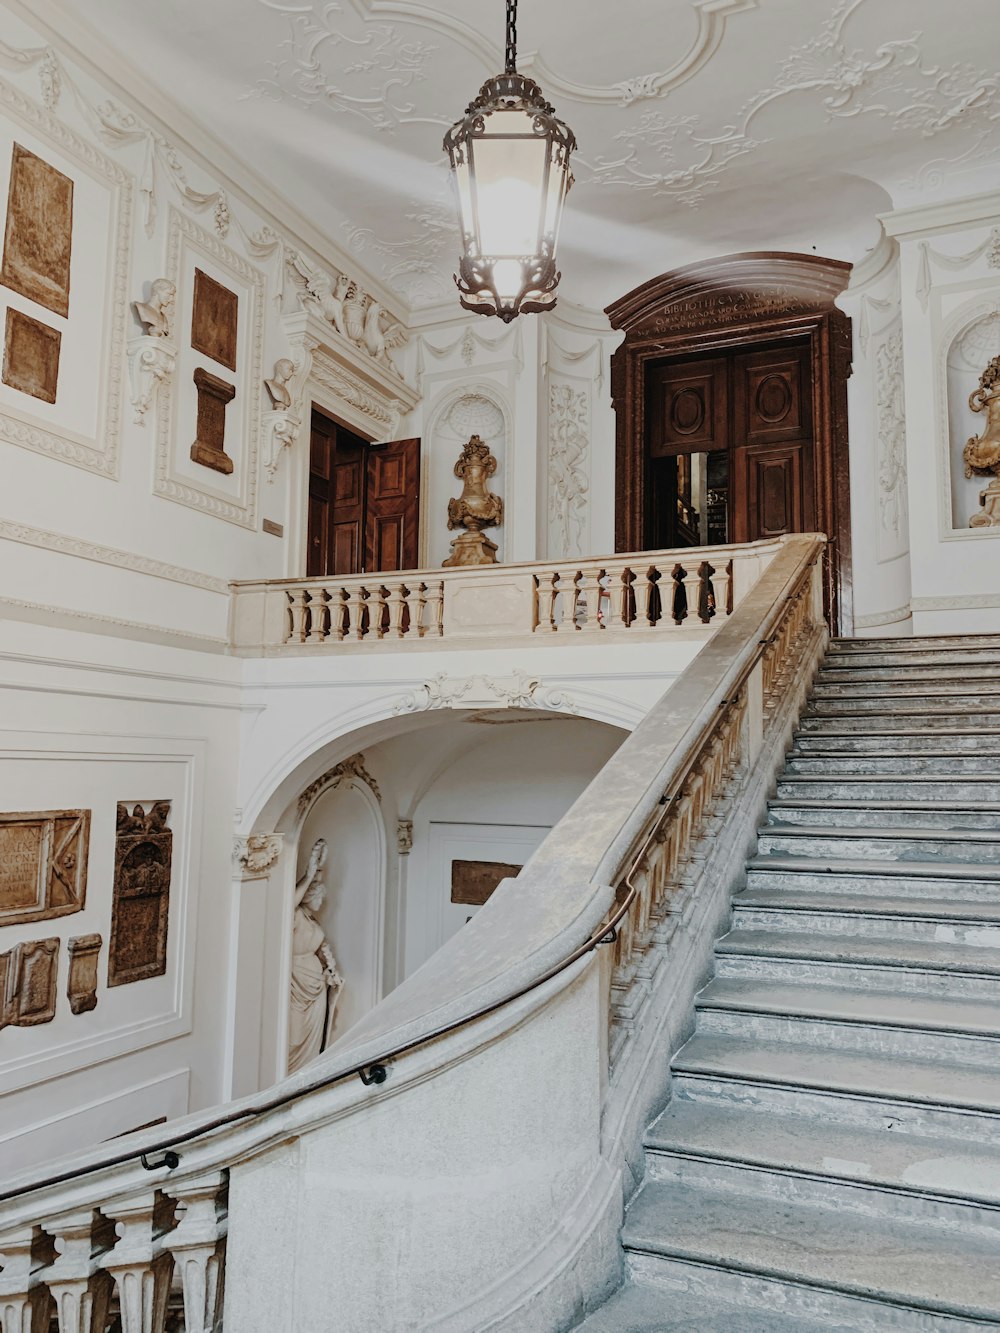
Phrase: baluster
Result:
[139,1264]
[628,598]
[337,613]
[77,1280]
[379,615]
[611,601]
[355,612]
[648,611]
[590,594]
[679,608]
[397,611]
[24,1302]
[198,1246]
[435,610]
[317,615]
[721,580]
[546,594]
[692,590]
[569,592]
[296,615]
[418,609]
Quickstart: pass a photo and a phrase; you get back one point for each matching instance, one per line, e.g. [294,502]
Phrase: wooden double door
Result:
[364,502]
[730,446]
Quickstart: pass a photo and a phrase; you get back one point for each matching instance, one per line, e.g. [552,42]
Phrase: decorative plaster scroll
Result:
[171,484]
[43,864]
[151,361]
[890,417]
[989,247]
[569,426]
[100,452]
[108,555]
[519,690]
[404,837]
[595,350]
[469,341]
[81,987]
[281,431]
[869,304]
[257,854]
[348,770]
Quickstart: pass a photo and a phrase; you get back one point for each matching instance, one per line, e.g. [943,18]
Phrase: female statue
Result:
[316,982]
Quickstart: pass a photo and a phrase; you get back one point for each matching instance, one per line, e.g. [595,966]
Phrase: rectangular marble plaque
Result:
[43,864]
[81,988]
[31,356]
[140,912]
[472,882]
[214,320]
[38,240]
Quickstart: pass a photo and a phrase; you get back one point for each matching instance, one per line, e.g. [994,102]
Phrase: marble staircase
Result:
[830,1155]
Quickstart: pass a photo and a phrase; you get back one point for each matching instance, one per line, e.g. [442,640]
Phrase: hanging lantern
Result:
[510,156]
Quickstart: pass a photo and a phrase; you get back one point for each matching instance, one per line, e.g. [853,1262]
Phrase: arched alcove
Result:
[973,342]
[473,409]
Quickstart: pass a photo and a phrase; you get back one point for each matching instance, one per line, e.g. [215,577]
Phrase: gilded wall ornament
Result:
[476,508]
[982,452]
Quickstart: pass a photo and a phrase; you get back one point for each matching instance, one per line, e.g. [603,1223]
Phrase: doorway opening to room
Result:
[364,502]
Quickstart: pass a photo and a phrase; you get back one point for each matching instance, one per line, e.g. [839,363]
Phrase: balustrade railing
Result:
[659,591]
[133,1237]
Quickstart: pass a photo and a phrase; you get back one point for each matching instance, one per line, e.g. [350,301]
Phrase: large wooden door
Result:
[730,447]
[364,502]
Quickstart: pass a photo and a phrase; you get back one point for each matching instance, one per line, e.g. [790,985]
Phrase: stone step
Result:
[876,923]
[932,762]
[970,707]
[892,1024]
[811,1159]
[686,1307]
[909,1266]
[882,815]
[908,789]
[928,967]
[961,847]
[950,665]
[906,720]
[853,1087]
[917,645]
[968,887]
[958,693]
[909,721]
[911,742]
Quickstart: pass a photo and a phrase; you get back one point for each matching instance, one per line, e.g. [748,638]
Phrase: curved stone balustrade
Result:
[483,1183]
[656,592]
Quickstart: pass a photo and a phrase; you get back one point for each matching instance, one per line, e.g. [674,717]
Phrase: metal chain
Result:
[511,65]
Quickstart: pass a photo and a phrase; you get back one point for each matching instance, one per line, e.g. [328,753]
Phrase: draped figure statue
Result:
[316,983]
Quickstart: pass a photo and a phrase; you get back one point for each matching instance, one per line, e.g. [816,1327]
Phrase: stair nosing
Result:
[887,964]
[833,865]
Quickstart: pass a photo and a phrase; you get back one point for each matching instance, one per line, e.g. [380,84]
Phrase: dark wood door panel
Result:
[772,393]
[689,408]
[393,508]
[777,490]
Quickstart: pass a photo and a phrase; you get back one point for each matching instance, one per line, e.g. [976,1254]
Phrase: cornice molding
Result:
[62,26]
[925,219]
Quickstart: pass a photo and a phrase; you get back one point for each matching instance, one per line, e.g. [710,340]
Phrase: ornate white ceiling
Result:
[705,126]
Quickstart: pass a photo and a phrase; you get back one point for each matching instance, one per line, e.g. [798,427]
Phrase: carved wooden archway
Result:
[741,301]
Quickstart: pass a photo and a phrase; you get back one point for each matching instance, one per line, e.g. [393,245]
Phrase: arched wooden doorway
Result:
[731,396]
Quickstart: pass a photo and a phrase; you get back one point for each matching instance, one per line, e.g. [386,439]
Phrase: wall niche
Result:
[969,353]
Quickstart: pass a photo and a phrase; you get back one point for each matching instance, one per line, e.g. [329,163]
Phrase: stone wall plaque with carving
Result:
[213,396]
[473,882]
[214,320]
[39,235]
[31,356]
[143,855]
[29,994]
[43,864]
[82,985]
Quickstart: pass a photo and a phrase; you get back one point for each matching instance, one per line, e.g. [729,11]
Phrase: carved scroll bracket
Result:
[365,394]
[256,855]
[151,363]
[281,431]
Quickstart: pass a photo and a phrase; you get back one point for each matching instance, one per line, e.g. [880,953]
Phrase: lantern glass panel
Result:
[509,183]
[463,185]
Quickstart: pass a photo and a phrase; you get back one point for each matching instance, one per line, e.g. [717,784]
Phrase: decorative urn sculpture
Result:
[982,453]
[476,508]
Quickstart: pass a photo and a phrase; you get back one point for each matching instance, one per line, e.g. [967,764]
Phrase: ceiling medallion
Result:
[510,161]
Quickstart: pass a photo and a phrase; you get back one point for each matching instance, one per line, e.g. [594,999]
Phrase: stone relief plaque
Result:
[39,236]
[29,976]
[31,356]
[82,985]
[43,864]
[472,882]
[139,915]
[214,320]
[213,396]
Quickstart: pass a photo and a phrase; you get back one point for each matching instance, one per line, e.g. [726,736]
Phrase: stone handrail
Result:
[654,591]
[117,1221]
